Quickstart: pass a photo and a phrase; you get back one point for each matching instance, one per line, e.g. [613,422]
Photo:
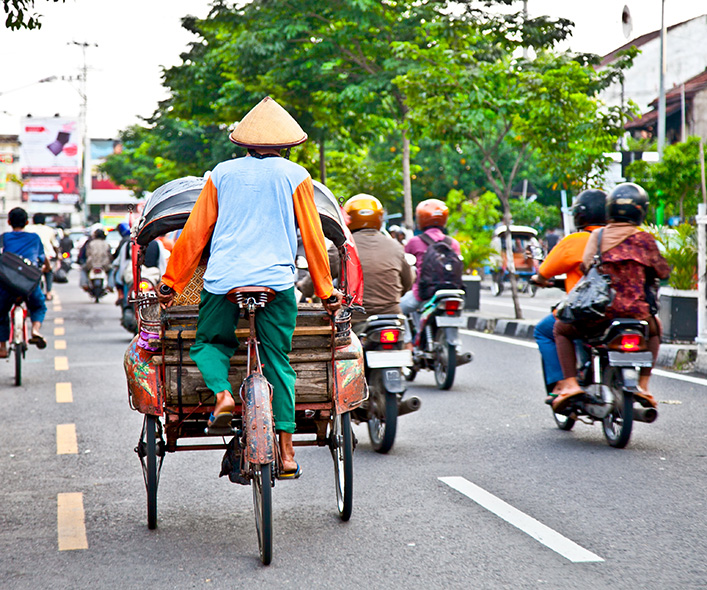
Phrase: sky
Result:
[132,40]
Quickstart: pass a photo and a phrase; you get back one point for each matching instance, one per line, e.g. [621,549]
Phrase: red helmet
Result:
[431,213]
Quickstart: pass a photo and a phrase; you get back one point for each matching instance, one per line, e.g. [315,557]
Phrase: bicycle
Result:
[20,329]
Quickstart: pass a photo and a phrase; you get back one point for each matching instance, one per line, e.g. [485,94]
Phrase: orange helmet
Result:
[431,213]
[364,211]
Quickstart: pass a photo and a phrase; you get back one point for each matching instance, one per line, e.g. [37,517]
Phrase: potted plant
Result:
[678,297]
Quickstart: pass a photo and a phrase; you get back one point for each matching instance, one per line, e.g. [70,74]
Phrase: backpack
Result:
[441,267]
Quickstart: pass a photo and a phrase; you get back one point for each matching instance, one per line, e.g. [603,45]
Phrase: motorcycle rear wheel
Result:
[445,363]
[618,423]
[382,417]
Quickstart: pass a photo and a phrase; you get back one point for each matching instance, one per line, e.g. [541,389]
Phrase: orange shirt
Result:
[566,257]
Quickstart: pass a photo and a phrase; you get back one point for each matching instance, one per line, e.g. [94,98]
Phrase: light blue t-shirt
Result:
[254,241]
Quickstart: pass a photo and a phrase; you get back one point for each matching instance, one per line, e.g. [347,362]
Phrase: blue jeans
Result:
[35,304]
[408,305]
[548,350]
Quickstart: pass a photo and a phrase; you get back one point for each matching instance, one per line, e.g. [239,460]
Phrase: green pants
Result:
[216,343]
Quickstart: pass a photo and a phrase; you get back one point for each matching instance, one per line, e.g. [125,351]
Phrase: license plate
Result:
[630,359]
[379,359]
[447,321]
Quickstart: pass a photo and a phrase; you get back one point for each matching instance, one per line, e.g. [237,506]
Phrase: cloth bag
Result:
[17,275]
[592,294]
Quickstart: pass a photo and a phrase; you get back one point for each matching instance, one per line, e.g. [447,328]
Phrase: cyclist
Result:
[29,246]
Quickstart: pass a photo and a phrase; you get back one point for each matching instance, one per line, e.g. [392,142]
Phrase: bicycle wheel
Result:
[17,351]
[262,504]
[341,446]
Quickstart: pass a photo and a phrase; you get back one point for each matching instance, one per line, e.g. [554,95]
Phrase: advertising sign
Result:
[50,159]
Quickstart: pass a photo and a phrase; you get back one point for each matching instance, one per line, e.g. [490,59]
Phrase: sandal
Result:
[220,424]
[290,474]
[38,340]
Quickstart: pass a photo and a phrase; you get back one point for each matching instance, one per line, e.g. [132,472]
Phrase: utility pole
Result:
[85,179]
[661,95]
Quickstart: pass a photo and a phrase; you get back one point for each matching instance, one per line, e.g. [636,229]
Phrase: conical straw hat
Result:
[268,125]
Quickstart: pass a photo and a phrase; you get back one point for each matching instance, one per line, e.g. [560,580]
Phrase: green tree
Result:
[546,106]
[676,178]
[472,220]
[20,16]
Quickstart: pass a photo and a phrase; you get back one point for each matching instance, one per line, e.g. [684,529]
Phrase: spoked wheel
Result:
[564,422]
[445,361]
[262,504]
[341,446]
[619,421]
[150,449]
[382,417]
[18,352]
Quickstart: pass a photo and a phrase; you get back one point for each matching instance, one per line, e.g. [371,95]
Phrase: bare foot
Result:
[287,452]
[224,403]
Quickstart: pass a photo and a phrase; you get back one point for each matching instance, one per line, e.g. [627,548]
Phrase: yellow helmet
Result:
[364,211]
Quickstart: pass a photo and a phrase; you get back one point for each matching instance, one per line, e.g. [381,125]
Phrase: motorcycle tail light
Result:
[389,336]
[144,286]
[451,306]
[630,342]
[65,255]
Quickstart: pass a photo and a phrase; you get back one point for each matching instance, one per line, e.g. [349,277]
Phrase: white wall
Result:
[686,56]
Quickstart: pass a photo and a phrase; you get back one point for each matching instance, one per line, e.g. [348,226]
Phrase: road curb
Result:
[670,356]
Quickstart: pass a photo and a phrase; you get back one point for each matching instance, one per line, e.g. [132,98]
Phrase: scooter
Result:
[436,341]
[97,283]
[384,358]
[608,370]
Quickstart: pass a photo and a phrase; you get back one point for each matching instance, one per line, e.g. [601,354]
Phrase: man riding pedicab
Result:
[250,209]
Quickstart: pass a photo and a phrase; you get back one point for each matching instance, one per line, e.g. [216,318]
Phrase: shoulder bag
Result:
[591,296]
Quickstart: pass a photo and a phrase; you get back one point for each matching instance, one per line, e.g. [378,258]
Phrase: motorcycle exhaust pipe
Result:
[645,414]
[464,357]
[411,404]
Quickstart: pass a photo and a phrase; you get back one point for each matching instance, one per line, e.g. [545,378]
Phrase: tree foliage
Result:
[20,15]
[675,180]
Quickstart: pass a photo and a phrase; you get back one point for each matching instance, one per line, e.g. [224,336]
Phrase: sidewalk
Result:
[676,357]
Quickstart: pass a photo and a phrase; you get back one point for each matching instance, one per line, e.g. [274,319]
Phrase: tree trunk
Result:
[510,262]
[407,186]
[322,161]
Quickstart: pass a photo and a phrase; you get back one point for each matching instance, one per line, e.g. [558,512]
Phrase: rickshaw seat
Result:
[240,295]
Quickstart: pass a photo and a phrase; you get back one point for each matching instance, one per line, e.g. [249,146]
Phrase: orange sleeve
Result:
[194,237]
[310,228]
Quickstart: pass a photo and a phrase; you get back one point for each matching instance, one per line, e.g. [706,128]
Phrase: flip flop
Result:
[220,424]
[291,474]
[38,340]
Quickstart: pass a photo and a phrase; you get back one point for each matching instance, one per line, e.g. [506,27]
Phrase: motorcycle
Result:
[608,370]
[61,274]
[384,358]
[436,340]
[97,283]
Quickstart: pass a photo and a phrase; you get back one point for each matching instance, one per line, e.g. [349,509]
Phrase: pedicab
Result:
[166,386]
[526,252]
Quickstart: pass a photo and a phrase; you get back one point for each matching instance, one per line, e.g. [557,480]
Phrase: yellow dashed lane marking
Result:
[61,363]
[60,345]
[71,522]
[58,331]
[66,439]
[58,321]
[64,394]
[57,308]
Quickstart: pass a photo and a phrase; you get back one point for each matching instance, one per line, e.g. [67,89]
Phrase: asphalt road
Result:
[538,507]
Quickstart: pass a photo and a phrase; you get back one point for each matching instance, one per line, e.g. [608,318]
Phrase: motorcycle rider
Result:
[27,245]
[50,242]
[431,216]
[632,260]
[386,272]
[121,259]
[249,208]
[589,210]
[98,255]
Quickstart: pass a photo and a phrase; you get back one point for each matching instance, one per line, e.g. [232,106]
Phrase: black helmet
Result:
[627,202]
[589,208]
